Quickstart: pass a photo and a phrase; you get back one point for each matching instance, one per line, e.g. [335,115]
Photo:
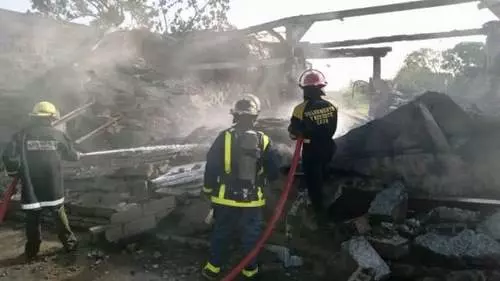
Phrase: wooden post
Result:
[377,68]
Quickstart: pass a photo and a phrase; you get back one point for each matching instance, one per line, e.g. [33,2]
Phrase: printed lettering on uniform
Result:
[321,116]
[41,145]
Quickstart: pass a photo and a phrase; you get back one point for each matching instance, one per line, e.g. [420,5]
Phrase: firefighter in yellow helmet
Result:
[34,156]
[239,163]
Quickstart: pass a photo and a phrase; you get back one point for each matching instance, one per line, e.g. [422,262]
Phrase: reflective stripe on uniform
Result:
[39,205]
[220,197]
[212,268]
[298,111]
[233,203]
[207,190]
[265,143]
[227,152]
[41,145]
[250,273]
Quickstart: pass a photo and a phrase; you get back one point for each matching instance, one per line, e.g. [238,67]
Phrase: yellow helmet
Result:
[45,109]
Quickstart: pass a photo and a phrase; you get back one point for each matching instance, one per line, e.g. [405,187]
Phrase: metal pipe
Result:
[73,114]
[97,130]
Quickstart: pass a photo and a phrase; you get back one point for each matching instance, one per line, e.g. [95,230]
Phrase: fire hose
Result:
[274,219]
[7,195]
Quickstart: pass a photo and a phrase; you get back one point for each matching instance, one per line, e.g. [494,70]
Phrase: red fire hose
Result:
[272,222]
[7,195]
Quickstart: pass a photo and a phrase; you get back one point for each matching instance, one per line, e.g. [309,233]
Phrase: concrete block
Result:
[360,251]
[155,206]
[163,214]
[394,247]
[131,213]
[114,233]
[139,189]
[139,226]
[391,203]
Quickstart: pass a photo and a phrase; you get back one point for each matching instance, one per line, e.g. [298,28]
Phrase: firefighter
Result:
[315,120]
[34,155]
[240,163]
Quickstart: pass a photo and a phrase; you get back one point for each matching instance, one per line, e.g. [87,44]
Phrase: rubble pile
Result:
[431,144]
[438,243]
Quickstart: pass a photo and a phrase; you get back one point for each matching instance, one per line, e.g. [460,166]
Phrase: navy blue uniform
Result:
[237,206]
[315,120]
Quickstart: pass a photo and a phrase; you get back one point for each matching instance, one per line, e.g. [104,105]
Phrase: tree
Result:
[452,69]
[465,58]
[421,71]
[167,16]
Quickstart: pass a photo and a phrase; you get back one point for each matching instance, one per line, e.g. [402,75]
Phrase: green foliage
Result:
[464,58]
[356,96]
[169,16]
[427,69]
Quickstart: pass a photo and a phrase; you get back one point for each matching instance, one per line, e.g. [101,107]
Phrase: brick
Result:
[130,214]
[155,206]
[114,233]
[163,214]
[139,226]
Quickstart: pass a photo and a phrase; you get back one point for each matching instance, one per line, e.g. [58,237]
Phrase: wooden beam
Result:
[295,32]
[354,13]
[310,54]
[402,37]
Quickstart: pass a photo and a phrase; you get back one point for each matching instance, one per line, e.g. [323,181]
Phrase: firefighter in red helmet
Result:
[315,120]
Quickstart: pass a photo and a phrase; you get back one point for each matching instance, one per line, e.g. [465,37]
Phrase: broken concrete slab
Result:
[193,217]
[366,257]
[467,246]
[491,226]
[391,202]
[393,247]
[445,214]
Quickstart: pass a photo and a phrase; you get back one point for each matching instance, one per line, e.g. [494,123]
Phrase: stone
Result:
[157,206]
[193,217]
[139,226]
[466,275]
[449,229]
[444,214]
[391,202]
[366,257]
[163,214]
[114,233]
[393,247]
[466,245]
[491,226]
[130,212]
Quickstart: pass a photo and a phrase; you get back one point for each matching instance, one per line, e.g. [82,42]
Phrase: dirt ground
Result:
[146,260]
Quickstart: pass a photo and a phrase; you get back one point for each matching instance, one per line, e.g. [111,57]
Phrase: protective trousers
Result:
[33,229]
[228,219]
[315,162]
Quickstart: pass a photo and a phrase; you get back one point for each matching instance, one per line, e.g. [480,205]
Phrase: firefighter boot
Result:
[250,274]
[210,272]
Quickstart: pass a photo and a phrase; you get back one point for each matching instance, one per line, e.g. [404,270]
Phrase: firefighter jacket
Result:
[34,155]
[315,120]
[220,182]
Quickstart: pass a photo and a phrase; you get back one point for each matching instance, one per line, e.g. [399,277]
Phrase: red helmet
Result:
[312,77]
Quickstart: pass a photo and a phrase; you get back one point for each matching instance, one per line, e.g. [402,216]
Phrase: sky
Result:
[339,72]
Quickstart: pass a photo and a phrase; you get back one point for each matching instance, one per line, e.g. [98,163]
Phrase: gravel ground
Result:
[146,260]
